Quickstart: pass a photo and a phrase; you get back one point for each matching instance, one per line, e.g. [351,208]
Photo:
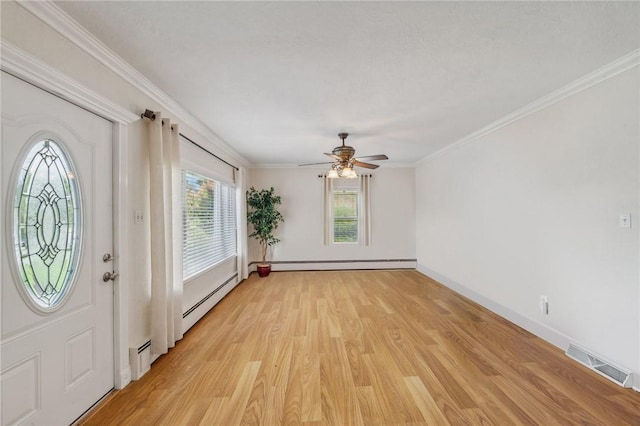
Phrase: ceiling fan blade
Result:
[314,164]
[332,156]
[374,157]
[365,165]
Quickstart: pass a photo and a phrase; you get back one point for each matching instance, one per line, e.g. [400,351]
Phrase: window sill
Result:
[208,269]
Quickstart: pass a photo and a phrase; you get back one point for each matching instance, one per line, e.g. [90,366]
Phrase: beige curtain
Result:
[326,209]
[166,225]
[241,214]
[365,197]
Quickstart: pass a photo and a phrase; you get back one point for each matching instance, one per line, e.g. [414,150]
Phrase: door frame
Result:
[22,65]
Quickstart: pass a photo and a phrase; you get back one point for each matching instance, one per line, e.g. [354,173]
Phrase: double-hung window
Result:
[347,211]
[209,223]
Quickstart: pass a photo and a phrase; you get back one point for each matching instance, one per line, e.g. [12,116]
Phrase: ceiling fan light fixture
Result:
[348,173]
[344,160]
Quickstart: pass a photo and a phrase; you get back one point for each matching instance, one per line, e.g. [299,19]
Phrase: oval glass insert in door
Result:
[47,221]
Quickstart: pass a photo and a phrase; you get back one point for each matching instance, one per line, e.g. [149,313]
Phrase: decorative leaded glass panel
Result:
[47,221]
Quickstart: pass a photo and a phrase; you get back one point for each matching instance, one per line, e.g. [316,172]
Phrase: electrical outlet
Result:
[138,216]
[543,304]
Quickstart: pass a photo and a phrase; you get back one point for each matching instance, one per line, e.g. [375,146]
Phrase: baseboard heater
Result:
[600,366]
[208,296]
[140,360]
[280,262]
[339,264]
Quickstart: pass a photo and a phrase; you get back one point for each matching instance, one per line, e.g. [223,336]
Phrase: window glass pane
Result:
[47,220]
[345,217]
[345,231]
[209,223]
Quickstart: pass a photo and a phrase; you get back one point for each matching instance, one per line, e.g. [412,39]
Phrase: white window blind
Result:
[209,223]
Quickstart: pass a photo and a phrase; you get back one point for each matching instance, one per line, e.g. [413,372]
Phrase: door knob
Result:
[107,257]
[109,276]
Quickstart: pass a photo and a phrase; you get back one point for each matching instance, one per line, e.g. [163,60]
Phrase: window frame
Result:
[332,217]
[220,213]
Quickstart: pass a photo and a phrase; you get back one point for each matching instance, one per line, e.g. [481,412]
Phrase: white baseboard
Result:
[333,265]
[123,379]
[543,331]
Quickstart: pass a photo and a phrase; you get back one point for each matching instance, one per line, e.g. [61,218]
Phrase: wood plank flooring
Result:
[362,348]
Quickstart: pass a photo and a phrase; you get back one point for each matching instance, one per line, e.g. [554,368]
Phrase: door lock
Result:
[107,257]
[109,276]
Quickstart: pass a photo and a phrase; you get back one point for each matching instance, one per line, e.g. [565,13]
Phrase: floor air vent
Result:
[605,368]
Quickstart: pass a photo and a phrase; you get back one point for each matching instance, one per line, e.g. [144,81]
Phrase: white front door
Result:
[57,312]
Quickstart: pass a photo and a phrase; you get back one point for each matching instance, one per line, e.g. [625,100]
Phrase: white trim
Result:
[608,71]
[324,169]
[2,224]
[24,66]
[57,19]
[332,265]
[541,330]
[121,251]
[17,62]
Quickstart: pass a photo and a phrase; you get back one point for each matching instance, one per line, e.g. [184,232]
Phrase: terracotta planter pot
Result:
[264,270]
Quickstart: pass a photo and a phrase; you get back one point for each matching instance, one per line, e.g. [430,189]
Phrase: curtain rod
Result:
[152,116]
[346,178]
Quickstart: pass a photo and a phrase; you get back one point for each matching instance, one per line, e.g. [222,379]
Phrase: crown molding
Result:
[61,22]
[320,167]
[606,72]
[283,166]
[17,62]
[295,166]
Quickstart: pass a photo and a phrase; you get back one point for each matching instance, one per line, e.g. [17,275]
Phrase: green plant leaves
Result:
[263,215]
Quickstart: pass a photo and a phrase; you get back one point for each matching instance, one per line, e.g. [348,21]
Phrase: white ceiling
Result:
[278,80]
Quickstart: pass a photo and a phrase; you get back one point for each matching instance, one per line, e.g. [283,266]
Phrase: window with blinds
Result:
[345,216]
[209,223]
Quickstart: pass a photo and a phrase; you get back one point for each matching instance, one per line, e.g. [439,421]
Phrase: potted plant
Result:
[263,215]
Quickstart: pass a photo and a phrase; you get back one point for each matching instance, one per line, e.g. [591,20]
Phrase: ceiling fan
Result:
[344,160]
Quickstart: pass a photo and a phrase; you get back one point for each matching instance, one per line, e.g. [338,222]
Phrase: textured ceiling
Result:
[278,80]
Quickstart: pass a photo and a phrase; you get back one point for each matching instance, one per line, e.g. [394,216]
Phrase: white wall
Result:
[22,29]
[301,235]
[532,209]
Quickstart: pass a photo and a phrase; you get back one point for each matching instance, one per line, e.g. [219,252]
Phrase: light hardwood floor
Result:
[363,348]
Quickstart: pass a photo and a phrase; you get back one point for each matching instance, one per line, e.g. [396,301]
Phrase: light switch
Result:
[624,221]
